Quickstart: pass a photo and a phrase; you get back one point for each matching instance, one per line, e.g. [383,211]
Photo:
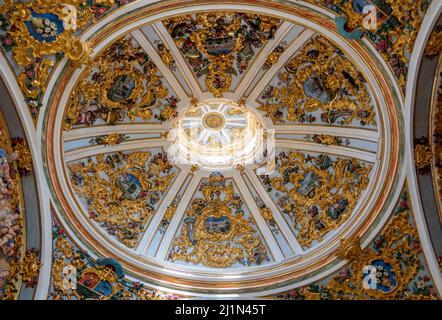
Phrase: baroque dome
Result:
[243,149]
[140,184]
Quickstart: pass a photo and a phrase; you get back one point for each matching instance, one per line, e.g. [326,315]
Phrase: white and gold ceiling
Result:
[151,124]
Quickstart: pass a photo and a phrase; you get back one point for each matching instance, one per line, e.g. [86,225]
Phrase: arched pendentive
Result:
[423,79]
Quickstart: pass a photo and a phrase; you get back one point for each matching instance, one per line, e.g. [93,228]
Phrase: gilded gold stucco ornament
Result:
[216,233]
[422,155]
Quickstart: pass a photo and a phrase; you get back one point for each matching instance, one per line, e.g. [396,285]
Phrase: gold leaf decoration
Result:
[317,193]
[434,44]
[392,267]
[215,231]
[319,78]
[220,45]
[122,190]
[122,82]
[76,276]
[394,35]
[14,160]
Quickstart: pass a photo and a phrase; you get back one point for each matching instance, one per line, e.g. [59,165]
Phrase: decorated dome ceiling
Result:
[231,140]
[219,150]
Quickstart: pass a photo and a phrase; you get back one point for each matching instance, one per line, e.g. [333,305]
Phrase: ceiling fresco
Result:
[220,47]
[395,31]
[393,264]
[21,33]
[218,230]
[180,144]
[197,73]
[319,85]
[115,188]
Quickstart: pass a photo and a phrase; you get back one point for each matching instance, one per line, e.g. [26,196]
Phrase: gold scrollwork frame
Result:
[435,123]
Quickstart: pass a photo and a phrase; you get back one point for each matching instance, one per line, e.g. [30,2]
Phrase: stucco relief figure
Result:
[318,193]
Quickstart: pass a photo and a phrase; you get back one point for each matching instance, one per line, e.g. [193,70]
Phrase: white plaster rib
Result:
[282,224]
[43,205]
[133,128]
[282,31]
[124,10]
[168,237]
[87,152]
[346,132]
[425,30]
[335,150]
[165,71]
